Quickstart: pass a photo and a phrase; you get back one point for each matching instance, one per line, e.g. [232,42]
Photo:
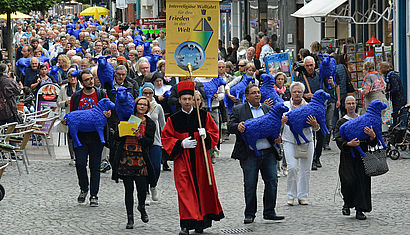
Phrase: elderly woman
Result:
[374,86]
[355,184]
[298,156]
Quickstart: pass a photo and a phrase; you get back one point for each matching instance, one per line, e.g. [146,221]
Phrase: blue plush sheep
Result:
[354,128]
[147,48]
[153,60]
[238,91]
[24,63]
[316,108]
[54,72]
[89,120]
[327,69]
[211,88]
[268,125]
[124,103]
[167,93]
[105,71]
[268,89]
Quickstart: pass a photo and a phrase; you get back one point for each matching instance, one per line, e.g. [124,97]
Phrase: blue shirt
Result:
[260,143]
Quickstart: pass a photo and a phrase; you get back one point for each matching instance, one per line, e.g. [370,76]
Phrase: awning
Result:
[318,8]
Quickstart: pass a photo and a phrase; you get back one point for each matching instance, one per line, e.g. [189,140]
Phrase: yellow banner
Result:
[192,38]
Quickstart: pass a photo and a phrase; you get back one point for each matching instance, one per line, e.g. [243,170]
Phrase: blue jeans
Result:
[266,164]
[91,148]
[155,154]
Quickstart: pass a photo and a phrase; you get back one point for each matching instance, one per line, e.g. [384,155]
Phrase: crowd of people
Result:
[170,128]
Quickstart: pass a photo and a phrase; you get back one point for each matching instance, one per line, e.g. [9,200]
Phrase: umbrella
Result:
[96,12]
[16,15]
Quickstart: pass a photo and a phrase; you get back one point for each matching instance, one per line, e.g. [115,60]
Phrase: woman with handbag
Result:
[295,154]
[133,161]
[355,184]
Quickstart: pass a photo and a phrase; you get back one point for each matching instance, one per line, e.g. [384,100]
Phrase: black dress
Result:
[355,184]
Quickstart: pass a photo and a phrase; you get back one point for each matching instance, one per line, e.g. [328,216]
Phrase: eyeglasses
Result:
[309,65]
[121,74]
[296,92]
[147,93]
[255,93]
[139,104]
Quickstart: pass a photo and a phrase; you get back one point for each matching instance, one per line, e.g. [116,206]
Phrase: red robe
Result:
[198,201]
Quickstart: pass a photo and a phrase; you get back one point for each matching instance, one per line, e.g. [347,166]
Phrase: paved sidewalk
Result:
[44,201]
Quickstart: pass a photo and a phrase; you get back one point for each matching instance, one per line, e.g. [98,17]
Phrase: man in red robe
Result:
[181,138]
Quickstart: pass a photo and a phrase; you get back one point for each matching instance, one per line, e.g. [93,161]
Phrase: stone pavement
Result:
[44,201]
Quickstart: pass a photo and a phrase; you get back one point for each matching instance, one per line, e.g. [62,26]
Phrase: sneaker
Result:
[154,193]
[93,201]
[314,167]
[105,166]
[303,202]
[72,162]
[147,201]
[82,196]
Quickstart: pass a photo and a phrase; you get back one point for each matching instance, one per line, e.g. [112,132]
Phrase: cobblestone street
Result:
[45,201]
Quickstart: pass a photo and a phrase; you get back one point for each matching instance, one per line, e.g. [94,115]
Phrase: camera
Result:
[123,26]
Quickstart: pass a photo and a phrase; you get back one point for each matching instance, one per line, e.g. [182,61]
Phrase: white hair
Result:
[349,97]
[308,58]
[299,84]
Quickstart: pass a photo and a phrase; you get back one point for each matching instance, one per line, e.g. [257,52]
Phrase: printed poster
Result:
[47,98]
[279,63]
[192,38]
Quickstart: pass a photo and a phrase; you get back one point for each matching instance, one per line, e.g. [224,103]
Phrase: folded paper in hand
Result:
[128,128]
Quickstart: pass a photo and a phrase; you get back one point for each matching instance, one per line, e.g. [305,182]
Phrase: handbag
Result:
[301,151]
[375,162]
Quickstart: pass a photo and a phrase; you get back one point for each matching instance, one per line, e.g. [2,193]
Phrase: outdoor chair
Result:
[16,153]
[37,134]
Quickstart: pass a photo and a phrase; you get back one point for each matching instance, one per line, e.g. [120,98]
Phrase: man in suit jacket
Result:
[250,163]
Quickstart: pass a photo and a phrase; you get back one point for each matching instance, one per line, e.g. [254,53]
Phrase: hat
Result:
[186,88]
[147,85]
[121,58]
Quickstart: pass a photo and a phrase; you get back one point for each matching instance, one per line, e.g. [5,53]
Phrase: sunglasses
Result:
[241,65]
[147,93]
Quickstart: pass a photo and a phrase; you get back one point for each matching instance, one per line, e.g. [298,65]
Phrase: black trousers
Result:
[319,145]
[141,184]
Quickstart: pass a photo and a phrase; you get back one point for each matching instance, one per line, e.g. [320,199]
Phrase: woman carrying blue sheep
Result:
[355,184]
[133,161]
[295,154]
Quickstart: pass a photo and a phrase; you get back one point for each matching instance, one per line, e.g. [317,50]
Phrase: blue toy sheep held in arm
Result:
[268,89]
[354,128]
[211,88]
[124,103]
[316,108]
[238,91]
[268,125]
[89,120]
[327,69]
[105,71]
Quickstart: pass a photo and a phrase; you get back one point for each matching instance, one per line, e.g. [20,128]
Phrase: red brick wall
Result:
[131,14]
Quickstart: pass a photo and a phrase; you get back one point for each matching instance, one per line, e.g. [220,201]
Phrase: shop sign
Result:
[151,21]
